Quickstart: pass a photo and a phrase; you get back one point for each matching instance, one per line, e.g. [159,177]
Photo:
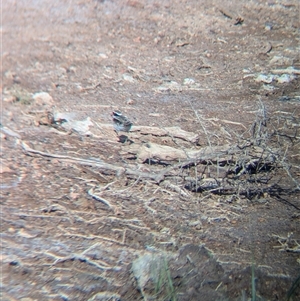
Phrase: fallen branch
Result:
[161,154]
[95,163]
[81,257]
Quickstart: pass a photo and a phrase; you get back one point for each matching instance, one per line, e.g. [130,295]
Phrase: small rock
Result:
[148,266]
[103,55]
[10,75]
[127,77]
[43,98]
[169,86]
[11,230]
[285,78]
[72,69]
[10,98]
[280,61]
[39,66]
[204,217]
[284,98]
[188,81]
[5,169]
[130,101]
[196,224]
[265,78]
[268,26]
[25,234]
[154,115]
[268,87]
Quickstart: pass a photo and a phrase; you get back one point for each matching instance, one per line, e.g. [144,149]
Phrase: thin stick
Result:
[203,127]
[100,199]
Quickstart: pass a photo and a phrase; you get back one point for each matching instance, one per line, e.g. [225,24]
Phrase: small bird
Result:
[121,122]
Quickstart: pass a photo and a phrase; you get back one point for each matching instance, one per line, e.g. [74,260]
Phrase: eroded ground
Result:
[85,216]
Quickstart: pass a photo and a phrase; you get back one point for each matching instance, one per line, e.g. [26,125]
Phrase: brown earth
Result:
[83,214]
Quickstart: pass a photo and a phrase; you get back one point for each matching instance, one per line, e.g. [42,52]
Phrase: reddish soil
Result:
[74,231]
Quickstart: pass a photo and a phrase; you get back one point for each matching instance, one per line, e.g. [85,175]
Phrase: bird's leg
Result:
[117,133]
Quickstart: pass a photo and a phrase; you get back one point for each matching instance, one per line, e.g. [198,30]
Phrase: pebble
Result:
[130,101]
[43,98]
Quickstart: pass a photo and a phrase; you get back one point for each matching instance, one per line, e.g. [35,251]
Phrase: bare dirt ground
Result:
[201,202]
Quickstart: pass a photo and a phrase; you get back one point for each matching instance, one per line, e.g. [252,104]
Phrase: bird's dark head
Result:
[116,113]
